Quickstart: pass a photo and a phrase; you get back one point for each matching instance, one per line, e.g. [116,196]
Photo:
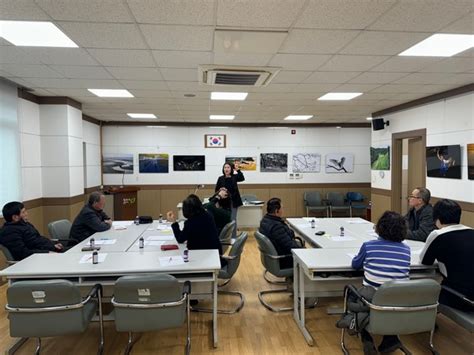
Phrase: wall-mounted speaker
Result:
[379,124]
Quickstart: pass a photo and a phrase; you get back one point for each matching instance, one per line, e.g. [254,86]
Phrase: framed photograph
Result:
[306,163]
[153,163]
[189,162]
[214,141]
[444,161]
[380,158]
[341,163]
[117,163]
[470,161]
[246,163]
[273,162]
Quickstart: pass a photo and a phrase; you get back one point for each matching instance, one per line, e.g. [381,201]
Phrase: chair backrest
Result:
[335,198]
[60,229]
[6,253]
[248,197]
[266,248]
[226,233]
[422,294]
[354,196]
[37,295]
[148,290]
[235,251]
[312,198]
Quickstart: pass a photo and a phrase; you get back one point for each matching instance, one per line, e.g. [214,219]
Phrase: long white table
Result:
[323,271]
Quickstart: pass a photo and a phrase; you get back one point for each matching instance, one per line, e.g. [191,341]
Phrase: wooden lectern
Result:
[125,202]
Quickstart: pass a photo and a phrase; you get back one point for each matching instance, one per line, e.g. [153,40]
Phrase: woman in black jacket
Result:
[229,179]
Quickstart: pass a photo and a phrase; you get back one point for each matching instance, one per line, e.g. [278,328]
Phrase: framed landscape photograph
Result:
[246,163]
[117,163]
[470,161]
[380,158]
[274,162]
[444,161]
[189,162]
[153,163]
[214,141]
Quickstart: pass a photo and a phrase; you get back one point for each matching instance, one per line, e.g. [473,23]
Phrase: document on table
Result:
[341,239]
[122,223]
[161,237]
[87,258]
[105,241]
[119,228]
[153,243]
[351,255]
[163,227]
[358,221]
[171,260]
[309,219]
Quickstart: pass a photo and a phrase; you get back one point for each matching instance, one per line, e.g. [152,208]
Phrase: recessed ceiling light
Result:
[368,118]
[111,92]
[441,45]
[338,127]
[298,117]
[339,96]
[141,115]
[222,117]
[34,34]
[229,95]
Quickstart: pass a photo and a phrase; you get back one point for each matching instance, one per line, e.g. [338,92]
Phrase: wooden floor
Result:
[254,330]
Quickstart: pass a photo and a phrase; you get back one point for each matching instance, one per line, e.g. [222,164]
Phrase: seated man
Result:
[20,237]
[274,228]
[420,215]
[453,246]
[219,207]
[91,219]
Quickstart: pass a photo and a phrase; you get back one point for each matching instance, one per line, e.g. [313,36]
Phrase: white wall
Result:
[91,138]
[447,122]
[241,142]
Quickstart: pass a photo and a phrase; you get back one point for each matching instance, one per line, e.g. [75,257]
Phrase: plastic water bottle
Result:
[313,223]
[92,242]
[161,219]
[141,243]
[95,257]
[186,255]
[342,231]
[136,220]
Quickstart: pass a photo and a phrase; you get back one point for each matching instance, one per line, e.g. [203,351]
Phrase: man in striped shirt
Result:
[384,259]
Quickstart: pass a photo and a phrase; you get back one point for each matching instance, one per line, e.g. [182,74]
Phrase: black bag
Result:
[145,219]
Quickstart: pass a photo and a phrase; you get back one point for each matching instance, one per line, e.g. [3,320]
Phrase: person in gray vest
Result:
[420,216]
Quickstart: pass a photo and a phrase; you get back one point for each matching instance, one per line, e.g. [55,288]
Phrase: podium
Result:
[125,203]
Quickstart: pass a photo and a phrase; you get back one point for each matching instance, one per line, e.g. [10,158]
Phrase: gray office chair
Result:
[227,272]
[59,231]
[151,302]
[400,307]
[356,202]
[8,256]
[313,202]
[337,204]
[225,236]
[51,308]
[248,198]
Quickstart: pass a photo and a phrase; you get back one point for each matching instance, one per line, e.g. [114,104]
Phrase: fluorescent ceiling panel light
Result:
[111,92]
[157,126]
[277,127]
[298,117]
[218,127]
[141,115]
[441,45]
[338,127]
[34,34]
[339,96]
[368,118]
[237,96]
[222,117]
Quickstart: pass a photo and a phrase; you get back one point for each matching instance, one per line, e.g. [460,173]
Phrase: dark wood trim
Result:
[59,100]
[465,206]
[410,134]
[425,100]
[38,202]
[91,119]
[26,95]
[382,192]
[62,201]
[89,190]
[243,186]
[250,124]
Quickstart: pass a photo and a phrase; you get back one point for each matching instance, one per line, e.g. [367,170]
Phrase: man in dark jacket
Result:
[91,219]
[20,237]
[420,216]
[275,229]
[219,207]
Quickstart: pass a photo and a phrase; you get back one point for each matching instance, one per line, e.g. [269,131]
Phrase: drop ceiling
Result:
[153,48]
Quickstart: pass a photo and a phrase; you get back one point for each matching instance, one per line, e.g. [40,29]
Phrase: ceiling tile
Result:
[144,84]
[439,78]
[330,77]
[352,63]
[383,42]
[83,10]
[422,15]
[258,13]
[274,87]
[170,74]
[104,35]
[181,59]
[409,88]
[189,86]
[285,76]
[451,65]
[179,12]
[59,56]
[464,25]
[123,57]
[82,72]
[241,59]
[75,83]
[342,14]
[299,61]
[356,88]
[128,73]
[21,10]
[405,64]
[30,71]
[248,41]
[151,93]
[317,41]
[16,55]
[194,38]
[315,88]
[377,78]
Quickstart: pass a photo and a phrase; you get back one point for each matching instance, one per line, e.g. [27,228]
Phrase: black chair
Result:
[313,202]
[356,202]
[337,203]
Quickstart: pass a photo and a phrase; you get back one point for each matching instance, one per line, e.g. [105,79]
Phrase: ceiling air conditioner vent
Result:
[233,75]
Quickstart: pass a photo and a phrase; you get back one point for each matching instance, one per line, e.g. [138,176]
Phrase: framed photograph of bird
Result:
[339,163]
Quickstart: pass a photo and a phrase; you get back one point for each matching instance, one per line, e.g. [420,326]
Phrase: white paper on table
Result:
[309,219]
[373,234]
[119,228]
[358,221]
[150,229]
[87,258]
[171,260]
[154,243]
[351,255]
[342,239]
[105,241]
[122,223]
[163,227]
[161,237]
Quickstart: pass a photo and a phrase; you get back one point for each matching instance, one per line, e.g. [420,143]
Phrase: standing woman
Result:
[229,179]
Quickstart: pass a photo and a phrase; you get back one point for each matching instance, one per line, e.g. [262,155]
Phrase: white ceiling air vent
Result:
[235,75]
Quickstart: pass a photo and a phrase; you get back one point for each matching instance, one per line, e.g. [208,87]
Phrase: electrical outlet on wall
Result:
[291,175]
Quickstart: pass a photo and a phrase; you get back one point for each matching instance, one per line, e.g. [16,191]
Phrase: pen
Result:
[171,258]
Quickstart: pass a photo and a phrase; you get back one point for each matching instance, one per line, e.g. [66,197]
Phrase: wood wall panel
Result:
[149,203]
[380,203]
[467,218]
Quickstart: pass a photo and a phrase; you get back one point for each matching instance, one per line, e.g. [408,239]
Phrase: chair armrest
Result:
[11,262]
[276,256]
[69,241]
[458,294]
[229,257]
[93,292]
[187,287]
[301,240]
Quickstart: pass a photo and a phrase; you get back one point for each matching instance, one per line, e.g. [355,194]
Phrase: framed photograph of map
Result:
[306,163]
[341,163]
